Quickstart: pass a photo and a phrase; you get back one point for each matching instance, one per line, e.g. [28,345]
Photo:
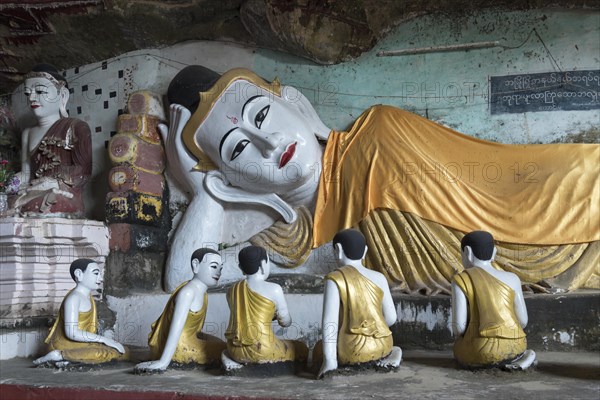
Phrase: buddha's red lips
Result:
[287,155]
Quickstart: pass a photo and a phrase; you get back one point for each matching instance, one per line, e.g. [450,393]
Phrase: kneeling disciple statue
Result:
[73,336]
[254,303]
[357,311]
[176,336]
[488,310]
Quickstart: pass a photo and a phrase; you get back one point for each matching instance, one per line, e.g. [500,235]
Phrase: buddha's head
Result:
[46,91]
[477,245]
[87,273]
[260,135]
[254,260]
[207,266]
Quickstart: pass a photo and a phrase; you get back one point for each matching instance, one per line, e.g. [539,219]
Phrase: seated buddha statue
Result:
[488,310]
[177,336]
[56,153]
[237,142]
[74,337]
[254,303]
[357,311]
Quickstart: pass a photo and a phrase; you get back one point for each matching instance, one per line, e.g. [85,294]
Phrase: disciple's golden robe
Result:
[363,334]
[493,334]
[250,337]
[193,346]
[84,352]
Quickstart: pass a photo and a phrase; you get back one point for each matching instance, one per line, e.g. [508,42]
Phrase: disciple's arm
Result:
[520,307]
[183,301]
[459,311]
[331,310]
[389,309]
[283,315]
[72,331]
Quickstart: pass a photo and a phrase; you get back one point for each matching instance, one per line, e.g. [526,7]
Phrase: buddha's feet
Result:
[524,361]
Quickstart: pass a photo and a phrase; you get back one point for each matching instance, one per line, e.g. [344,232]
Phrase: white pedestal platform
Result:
[35,256]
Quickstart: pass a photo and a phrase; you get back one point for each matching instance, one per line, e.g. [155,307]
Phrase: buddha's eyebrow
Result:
[223,140]
[249,100]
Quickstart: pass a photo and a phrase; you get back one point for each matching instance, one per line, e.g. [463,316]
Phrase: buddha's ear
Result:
[64,98]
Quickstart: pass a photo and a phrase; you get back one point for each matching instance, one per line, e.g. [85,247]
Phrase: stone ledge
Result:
[557,322]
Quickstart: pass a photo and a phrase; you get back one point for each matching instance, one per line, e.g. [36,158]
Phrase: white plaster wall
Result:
[22,343]
[135,315]
[452,87]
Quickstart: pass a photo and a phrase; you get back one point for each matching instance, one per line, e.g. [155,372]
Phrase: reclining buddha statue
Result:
[411,186]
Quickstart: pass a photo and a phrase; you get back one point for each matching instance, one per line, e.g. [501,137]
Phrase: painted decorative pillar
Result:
[137,206]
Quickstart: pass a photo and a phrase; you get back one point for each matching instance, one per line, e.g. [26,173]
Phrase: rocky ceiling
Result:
[67,33]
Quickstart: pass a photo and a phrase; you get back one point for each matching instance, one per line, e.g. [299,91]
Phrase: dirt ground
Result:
[422,375]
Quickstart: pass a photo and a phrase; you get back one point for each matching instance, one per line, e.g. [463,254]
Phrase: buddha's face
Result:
[209,269]
[43,97]
[260,141]
[91,278]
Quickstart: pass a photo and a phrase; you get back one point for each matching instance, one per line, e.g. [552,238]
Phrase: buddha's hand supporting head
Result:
[181,163]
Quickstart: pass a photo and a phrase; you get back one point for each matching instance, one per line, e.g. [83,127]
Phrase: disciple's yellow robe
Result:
[493,334]
[193,346]
[363,334]
[84,352]
[250,337]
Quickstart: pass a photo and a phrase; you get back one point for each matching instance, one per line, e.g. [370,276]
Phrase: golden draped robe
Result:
[414,187]
[493,333]
[250,337]
[363,334]
[193,346]
[84,352]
